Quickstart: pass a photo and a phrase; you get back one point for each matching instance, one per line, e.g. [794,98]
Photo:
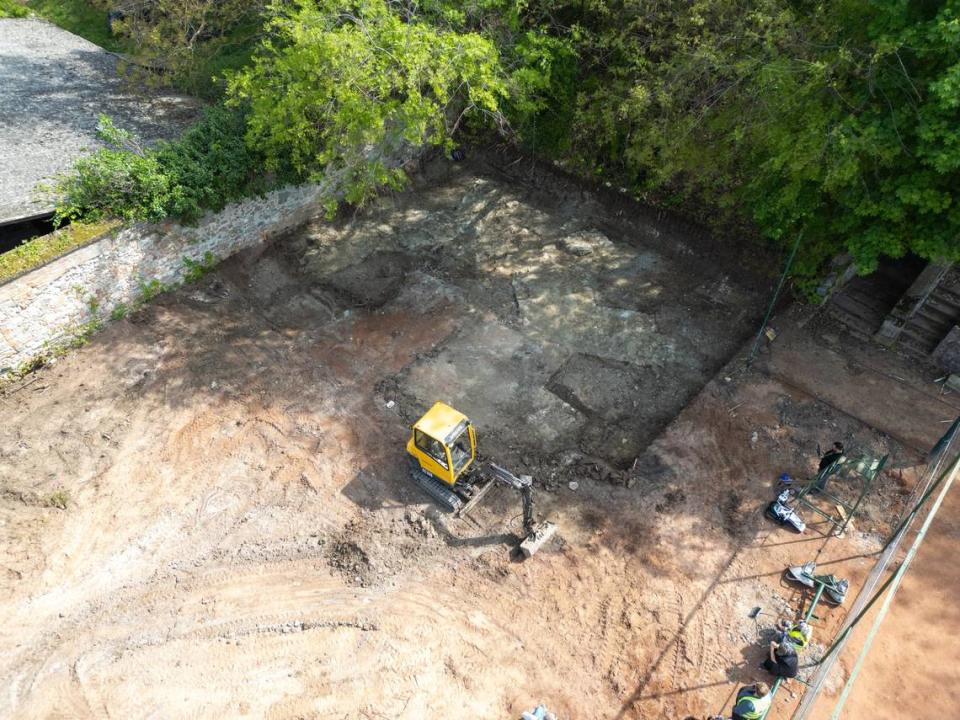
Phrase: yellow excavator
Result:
[443,458]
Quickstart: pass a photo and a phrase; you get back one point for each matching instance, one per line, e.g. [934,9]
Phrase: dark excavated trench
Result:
[622,401]
[16,232]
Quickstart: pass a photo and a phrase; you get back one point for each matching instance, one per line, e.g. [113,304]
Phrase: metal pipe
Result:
[816,599]
[838,641]
[773,300]
[866,488]
[916,508]
[806,618]
[886,583]
[937,456]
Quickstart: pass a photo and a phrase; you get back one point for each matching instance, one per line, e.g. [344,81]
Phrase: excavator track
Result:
[438,490]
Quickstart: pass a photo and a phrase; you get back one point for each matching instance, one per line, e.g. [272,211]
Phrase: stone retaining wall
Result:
[46,305]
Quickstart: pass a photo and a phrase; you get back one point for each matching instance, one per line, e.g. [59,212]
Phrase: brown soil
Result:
[240,536]
[911,667]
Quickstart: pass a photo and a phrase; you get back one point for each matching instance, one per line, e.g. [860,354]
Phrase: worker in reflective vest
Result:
[799,634]
[753,701]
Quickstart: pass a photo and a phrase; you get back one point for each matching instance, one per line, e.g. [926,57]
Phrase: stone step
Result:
[944,302]
[866,296]
[930,325]
[921,339]
[937,311]
[852,325]
[909,346]
[859,308]
[949,287]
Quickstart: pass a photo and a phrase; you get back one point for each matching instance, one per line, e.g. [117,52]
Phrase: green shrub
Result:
[208,167]
[13,9]
[196,269]
[119,312]
[150,289]
[59,498]
[124,181]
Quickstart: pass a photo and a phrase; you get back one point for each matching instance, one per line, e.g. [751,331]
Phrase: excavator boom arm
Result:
[524,485]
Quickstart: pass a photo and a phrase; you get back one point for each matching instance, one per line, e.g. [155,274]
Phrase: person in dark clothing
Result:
[783,661]
[829,458]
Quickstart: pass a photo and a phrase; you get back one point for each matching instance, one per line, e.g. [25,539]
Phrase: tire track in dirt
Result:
[309,618]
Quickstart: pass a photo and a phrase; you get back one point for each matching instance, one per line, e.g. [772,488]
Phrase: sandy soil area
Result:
[911,664]
[240,537]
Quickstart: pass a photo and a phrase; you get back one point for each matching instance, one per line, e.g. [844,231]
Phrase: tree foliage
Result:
[13,9]
[865,151]
[841,118]
[347,90]
[184,42]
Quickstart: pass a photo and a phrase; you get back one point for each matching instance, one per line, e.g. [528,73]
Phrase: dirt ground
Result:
[911,664]
[910,668]
[205,512]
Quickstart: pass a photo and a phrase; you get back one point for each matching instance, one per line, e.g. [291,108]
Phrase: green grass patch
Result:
[197,269]
[150,289]
[59,498]
[13,9]
[81,18]
[47,247]
[119,312]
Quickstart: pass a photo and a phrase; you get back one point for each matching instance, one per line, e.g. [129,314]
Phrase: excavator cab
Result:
[443,443]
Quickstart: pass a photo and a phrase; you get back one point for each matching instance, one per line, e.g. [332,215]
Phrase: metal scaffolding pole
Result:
[938,472]
[867,476]
[773,300]
[949,472]
[806,618]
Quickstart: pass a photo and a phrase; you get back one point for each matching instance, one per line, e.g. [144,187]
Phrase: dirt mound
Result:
[351,561]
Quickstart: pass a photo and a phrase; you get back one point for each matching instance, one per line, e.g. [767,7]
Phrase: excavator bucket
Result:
[540,536]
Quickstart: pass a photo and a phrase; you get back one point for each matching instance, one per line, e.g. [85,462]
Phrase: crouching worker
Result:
[827,463]
[753,701]
[783,661]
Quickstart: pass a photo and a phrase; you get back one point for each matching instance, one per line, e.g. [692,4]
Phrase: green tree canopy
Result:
[185,42]
[348,90]
[840,118]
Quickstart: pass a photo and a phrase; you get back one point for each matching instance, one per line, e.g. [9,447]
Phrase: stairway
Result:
[862,304]
[935,318]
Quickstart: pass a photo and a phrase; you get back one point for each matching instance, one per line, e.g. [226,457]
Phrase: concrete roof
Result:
[53,85]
